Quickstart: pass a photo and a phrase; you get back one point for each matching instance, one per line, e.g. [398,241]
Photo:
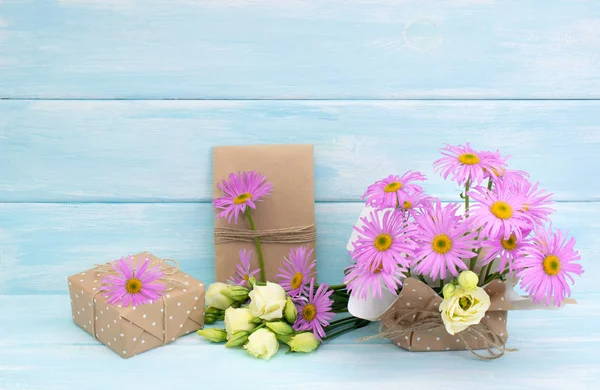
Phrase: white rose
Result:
[237,320]
[464,308]
[262,344]
[267,302]
[215,299]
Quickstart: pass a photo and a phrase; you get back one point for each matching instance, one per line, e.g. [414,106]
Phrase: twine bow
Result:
[291,235]
[404,322]
[168,266]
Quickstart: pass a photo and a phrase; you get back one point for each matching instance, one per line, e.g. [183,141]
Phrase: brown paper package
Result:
[132,330]
[418,295]
[290,169]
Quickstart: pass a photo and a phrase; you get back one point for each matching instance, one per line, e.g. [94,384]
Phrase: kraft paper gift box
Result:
[290,170]
[132,330]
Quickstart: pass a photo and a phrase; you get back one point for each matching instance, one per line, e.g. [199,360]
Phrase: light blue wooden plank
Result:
[40,348]
[40,245]
[304,48]
[161,150]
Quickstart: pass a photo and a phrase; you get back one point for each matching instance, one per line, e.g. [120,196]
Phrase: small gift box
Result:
[155,303]
[284,219]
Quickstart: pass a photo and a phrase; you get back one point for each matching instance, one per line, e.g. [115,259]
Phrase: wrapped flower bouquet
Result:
[441,276]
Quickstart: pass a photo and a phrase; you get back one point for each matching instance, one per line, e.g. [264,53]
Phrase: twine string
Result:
[291,235]
[404,322]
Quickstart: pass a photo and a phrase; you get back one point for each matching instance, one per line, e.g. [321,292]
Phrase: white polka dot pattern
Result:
[417,295]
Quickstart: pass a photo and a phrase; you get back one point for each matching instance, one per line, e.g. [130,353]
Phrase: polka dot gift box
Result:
[137,303]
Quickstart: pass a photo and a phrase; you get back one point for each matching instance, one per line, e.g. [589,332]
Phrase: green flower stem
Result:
[359,324]
[467,185]
[338,323]
[422,279]
[484,275]
[261,261]
[258,327]
[490,183]
[337,287]
[474,260]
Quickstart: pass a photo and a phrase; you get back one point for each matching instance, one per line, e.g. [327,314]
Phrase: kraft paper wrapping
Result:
[132,330]
[417,295]
[290,169]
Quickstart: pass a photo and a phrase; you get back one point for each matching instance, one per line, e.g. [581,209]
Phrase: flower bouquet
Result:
[258,314]
[440,276]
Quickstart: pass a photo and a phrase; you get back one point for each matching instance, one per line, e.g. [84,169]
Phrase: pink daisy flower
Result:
[360,280]
[242,190]
[416,202]
[444,241]
[244,271]
[385,241]
[537,202]
[511,251]
[509,176]
[393,190]
[130,285]
[315,312]
[464,163]
[497,212]
[548,267]
[297,271]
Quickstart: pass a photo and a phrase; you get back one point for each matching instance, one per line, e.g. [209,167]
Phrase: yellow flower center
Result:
[551,265]
[468,159]
[509,244]
[297,280]
[242,198]
[378,268]
[383,242]
[501,210]
[465,303]
[441,244]
[393,186]
[133,286]
[407,205]
[309,312]
[245,277]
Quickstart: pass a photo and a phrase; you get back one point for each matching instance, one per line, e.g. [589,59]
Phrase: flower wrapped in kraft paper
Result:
[442,276]
[137,303]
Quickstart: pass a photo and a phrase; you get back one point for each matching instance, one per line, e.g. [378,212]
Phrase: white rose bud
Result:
[238,320]
[464,308]
[448,290]
[468,280]
[215,299]
[303,342]
[262,344]
[267,302]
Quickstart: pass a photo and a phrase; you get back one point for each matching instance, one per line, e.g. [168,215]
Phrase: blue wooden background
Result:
[109,110]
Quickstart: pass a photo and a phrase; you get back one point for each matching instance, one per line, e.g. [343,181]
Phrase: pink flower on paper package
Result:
[242,190]
[133,286]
